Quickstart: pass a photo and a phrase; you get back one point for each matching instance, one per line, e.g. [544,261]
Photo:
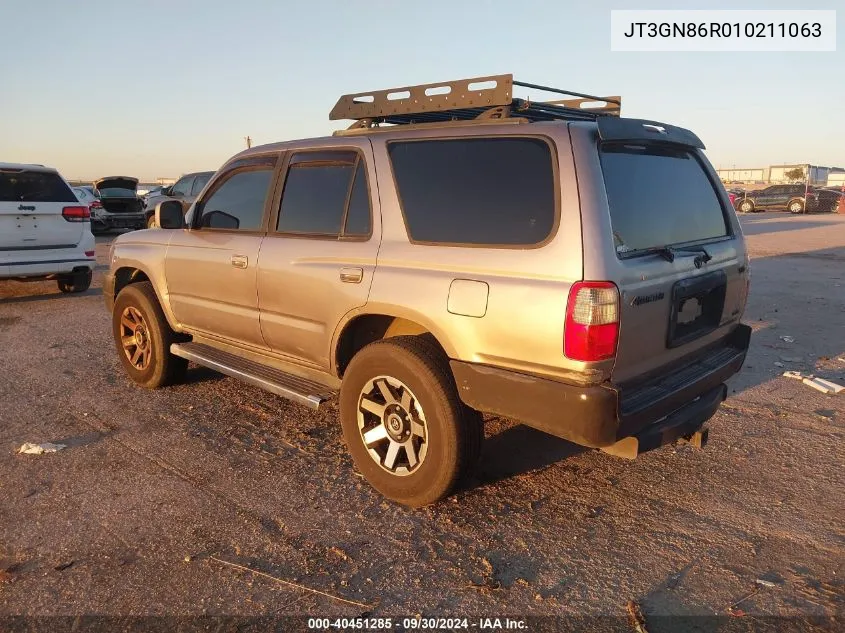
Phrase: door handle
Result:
[351,275]
[240,261]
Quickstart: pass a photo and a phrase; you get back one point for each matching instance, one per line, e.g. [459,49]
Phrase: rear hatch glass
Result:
[659,196]
[665,213]
[31,203]
[33,186]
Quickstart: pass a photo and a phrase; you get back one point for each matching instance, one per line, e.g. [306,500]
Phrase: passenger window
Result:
[483,191]
[317,197]
[182,187]
[199,182]
[238,204]
[358,215]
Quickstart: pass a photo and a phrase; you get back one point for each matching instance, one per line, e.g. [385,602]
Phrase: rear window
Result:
[33,186]
[116,192]
[484,191]
[659,196]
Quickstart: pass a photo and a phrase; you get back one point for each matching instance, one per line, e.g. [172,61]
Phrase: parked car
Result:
[185,191]
[121,206]
[86,195]
[45,232]
[827,199]
[544,272]
[779,198]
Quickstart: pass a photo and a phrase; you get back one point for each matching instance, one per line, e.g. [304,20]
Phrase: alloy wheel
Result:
[135,338]
[392,425]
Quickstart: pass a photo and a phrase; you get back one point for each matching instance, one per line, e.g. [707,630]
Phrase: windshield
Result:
[116,193]
[659,196]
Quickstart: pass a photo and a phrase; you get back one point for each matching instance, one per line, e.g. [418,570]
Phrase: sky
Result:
[159,88]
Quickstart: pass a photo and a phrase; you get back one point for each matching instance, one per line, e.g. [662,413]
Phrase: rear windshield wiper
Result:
[669,253]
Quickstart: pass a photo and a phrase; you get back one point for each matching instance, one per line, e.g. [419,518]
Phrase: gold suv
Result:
[455,251]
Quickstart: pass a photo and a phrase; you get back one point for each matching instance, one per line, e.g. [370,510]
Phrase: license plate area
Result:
[697,306]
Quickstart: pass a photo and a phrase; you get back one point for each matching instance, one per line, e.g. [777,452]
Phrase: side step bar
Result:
[300,390]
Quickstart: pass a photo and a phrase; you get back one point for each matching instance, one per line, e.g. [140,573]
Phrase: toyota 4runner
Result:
[456,251]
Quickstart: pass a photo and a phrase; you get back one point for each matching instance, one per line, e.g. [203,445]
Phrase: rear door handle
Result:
[351,275]
[240,261]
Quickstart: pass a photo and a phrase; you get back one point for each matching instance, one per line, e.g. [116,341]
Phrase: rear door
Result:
[318,259]
[662,195]
[31,221]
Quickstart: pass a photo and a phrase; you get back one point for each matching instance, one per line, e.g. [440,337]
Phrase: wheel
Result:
[75,282]
[403,423]
[151,222]
[746,206]
[143,338]
[796,206]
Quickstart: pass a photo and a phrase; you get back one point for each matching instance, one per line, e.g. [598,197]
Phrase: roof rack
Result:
[467,99]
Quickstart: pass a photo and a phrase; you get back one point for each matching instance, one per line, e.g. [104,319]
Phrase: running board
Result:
[300,390]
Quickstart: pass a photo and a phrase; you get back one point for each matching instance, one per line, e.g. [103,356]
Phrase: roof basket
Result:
[466,99]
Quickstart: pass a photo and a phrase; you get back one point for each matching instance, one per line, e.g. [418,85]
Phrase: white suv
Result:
[45,233]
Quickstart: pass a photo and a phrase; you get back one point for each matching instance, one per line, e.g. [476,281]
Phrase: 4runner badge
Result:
[638,301]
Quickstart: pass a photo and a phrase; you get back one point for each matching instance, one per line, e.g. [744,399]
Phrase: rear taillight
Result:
[592,321]
[76,214]
[90,253]
[96,204]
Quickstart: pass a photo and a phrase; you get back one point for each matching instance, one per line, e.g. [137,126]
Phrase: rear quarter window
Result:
[659,196]
[479,191]
[34,186]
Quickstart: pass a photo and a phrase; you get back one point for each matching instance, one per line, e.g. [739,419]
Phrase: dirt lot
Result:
[156,488]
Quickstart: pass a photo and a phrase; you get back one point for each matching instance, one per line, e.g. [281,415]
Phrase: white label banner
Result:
[723,30]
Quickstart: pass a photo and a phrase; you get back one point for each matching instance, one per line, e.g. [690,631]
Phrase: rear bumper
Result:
[45,268]
[678,399]
[121,220]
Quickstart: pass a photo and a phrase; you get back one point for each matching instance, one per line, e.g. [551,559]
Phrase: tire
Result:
[137,309]
[746,206]
[75,282]
[453,433]
[151,222]
[795,207]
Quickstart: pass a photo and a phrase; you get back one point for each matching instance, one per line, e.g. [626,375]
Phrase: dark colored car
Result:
[185,190]
[121,206]
[793,198]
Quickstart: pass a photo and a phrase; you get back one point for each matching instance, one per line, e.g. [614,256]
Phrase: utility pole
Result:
[248,140]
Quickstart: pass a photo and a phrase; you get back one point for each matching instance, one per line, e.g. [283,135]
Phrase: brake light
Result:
[591,331]
[76,214]
[96,204]
[90,253]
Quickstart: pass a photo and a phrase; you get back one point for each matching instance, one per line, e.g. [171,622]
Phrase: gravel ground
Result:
[157,488]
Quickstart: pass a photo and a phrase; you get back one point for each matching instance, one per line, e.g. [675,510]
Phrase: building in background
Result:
[777,174]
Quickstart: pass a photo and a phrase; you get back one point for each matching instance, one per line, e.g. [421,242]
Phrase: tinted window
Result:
[239,202]
[200,182]
[358,215]
[317,195]
[476,191]
[116,192]
[659,197]
[183,186]
[33,186]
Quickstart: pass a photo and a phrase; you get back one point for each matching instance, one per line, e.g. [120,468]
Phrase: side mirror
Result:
[165,191]
[169,215]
